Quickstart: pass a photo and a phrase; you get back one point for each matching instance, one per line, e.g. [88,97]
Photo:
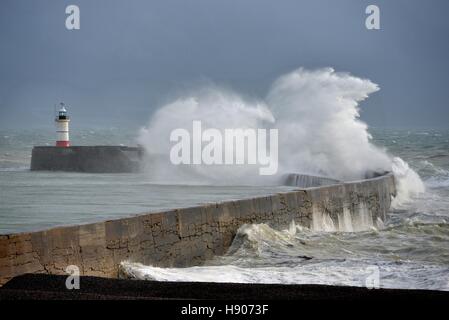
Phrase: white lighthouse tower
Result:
[62,127]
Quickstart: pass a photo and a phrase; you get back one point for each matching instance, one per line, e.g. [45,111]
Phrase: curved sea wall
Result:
[188,236]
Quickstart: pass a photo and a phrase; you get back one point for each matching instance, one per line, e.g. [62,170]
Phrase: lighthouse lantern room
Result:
[62,127]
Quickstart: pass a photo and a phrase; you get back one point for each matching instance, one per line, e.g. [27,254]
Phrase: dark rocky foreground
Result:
[52,287]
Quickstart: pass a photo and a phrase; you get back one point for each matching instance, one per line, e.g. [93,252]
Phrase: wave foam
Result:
[408,182]
[315,111]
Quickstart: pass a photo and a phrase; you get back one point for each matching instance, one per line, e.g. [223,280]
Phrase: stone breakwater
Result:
[185,236]
[96,159]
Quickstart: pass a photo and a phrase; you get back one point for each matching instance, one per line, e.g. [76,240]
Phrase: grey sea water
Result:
[31,200]
[410,251]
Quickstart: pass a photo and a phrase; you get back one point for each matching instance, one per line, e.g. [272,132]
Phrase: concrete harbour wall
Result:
[98,159]
[182,237]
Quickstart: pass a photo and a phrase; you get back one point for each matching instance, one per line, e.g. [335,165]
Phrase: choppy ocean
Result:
[410,251]
[35,200]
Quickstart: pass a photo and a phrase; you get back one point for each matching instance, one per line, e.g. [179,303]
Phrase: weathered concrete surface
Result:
[98,159]
[180,237]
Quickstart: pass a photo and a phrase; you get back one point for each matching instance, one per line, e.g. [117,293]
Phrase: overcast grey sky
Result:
[131,56]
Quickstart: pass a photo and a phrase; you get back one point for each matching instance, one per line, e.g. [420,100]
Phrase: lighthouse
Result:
[62,127]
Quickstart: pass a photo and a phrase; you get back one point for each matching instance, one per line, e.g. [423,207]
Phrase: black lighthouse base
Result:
[96,159]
